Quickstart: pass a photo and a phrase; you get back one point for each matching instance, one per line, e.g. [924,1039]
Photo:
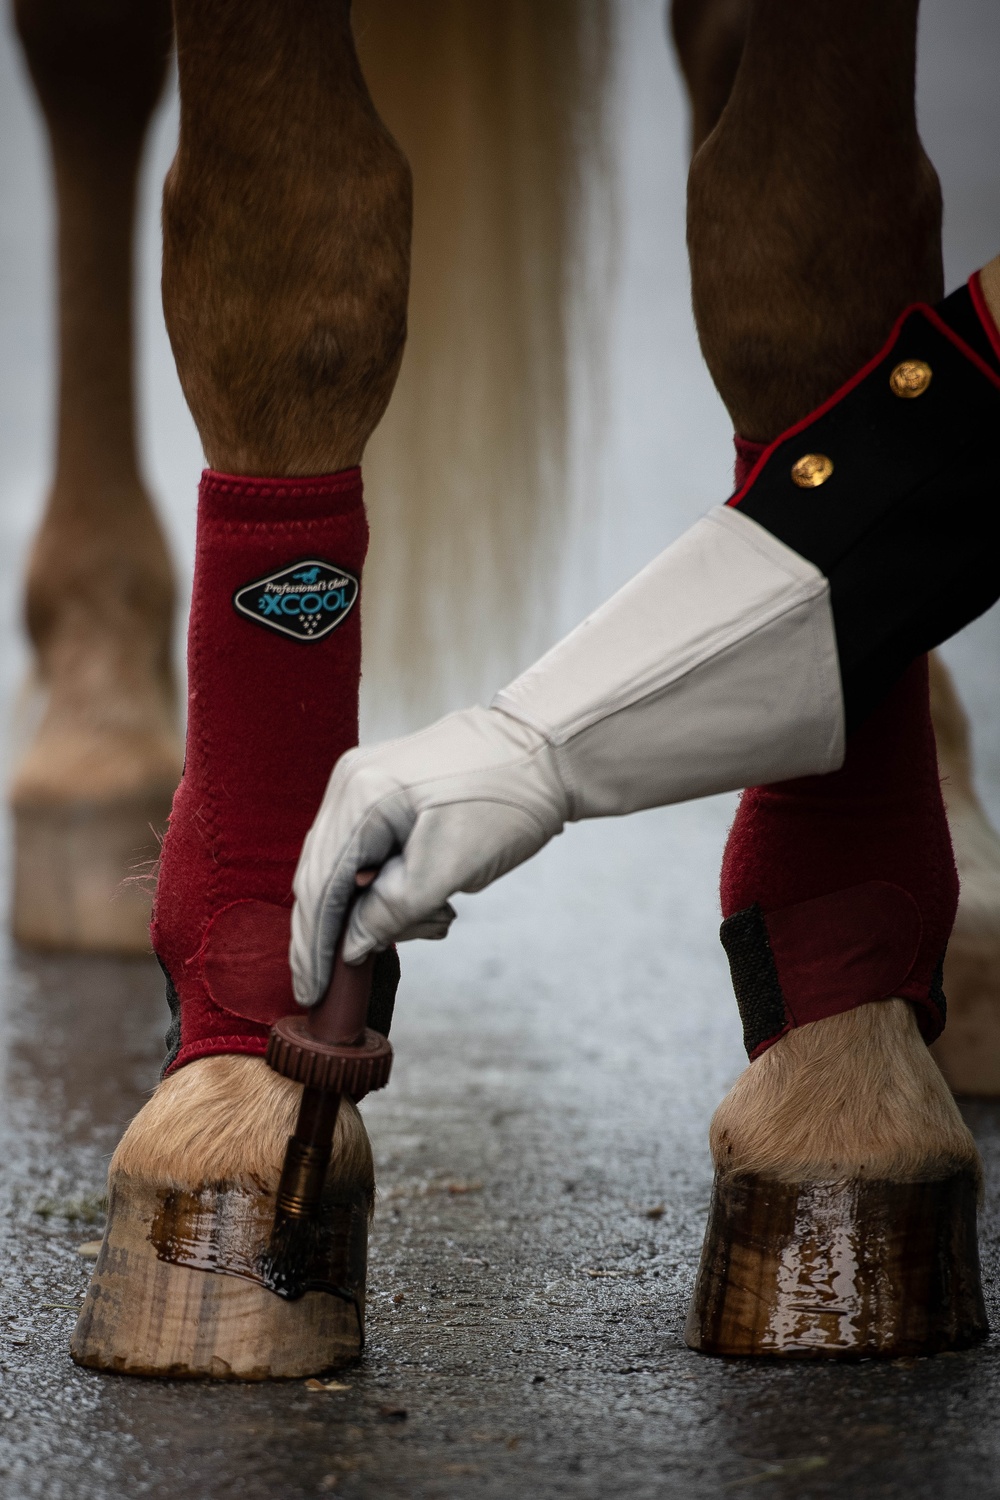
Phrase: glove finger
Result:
[360,940]
[377,919]
[324,885]
[446,849]
[310,955]
[433,927]
[316,926]
[411,891]
[449,848]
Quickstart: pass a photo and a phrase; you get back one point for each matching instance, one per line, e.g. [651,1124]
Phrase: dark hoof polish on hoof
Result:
[838,1270]
[181,1289]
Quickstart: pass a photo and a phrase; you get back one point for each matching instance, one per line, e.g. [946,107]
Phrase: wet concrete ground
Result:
[541,1150]
[543,1184]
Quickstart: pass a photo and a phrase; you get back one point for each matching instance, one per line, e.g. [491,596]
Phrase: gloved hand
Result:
[715,668]
[448,809]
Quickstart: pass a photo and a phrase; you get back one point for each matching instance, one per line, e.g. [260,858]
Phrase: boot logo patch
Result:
[305,600]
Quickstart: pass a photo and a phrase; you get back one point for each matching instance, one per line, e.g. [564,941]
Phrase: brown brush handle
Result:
[307,1155]
[329,1051]
[329,1047]
[339,1018]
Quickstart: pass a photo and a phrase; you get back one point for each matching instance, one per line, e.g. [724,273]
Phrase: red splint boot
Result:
[274,667]
[841,890]
[182,1285]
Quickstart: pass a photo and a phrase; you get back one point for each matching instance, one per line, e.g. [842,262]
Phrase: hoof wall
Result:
[838,1270]
[174,1292]
[72,864]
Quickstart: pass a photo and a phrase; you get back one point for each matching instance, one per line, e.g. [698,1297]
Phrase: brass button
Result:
[812,469]
[910,379]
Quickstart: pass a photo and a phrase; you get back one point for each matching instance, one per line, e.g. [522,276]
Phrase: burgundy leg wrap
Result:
[841,890]
[274,666]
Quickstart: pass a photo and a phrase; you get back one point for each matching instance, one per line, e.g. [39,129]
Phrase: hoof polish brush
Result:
[330,1051]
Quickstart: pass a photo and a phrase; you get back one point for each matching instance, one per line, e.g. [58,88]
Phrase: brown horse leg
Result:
[813,219]
[98,776]
[709,37]
[286,247]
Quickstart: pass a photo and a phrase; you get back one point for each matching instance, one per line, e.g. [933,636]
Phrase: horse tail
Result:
[500,108]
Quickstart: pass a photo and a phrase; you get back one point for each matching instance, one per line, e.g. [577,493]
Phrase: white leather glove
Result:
[715,668]
[465,801]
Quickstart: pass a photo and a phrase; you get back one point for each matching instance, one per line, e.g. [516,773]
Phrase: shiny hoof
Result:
[181,1288]
[83,873]
[838,1270]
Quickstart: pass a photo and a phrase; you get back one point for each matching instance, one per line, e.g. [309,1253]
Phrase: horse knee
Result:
[286,220]
[814,215]
[792,293]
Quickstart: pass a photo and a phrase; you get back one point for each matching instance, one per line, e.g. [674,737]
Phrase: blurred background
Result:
[482,567]
[649,443]
[563,1051]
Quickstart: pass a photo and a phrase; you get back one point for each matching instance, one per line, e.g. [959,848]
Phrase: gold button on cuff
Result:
[811,470]
[910,378]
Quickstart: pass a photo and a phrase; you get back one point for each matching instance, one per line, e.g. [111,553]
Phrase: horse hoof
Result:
[838,1270]
[72,863]
[181,1287]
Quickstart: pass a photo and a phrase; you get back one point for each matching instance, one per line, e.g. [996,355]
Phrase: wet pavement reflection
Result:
[543,1185]
[542,1149]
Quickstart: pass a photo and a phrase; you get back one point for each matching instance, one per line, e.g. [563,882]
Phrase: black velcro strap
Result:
[382,1001]
[755,977]
[173,1037]
[932,1026]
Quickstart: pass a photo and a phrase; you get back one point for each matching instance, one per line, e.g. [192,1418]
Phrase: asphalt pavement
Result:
[542,1148]
[544,1178]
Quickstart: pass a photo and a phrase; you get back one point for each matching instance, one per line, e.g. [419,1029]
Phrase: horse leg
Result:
[97,778]
[843,1221]
[286,249]
[709,37]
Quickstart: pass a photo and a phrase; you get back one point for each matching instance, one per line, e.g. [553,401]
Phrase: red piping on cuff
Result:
[873,363]
[982,307]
